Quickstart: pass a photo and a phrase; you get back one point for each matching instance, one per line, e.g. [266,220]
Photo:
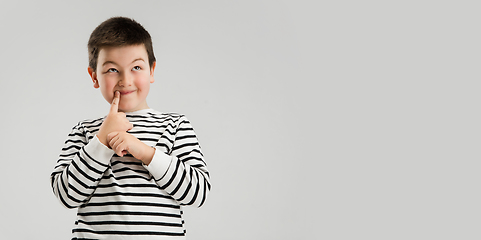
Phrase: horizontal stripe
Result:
[140,185]
[130,213]
[130,223]
[110,194]
[129,169]
[145,204]
[128,232]
[126,177]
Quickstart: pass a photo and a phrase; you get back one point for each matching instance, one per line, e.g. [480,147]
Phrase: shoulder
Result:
[176,121]
[169,117]
[90,123]
[85,129]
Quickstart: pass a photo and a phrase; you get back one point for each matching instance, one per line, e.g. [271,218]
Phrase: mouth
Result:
[126,92]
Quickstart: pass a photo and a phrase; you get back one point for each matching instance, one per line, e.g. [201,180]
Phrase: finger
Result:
[111,135]
[122,149]
[118,145]
[115,102]
[118,148]
[120,153]
[114,143]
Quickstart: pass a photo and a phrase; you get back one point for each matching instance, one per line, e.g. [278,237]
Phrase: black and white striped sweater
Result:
[119,197]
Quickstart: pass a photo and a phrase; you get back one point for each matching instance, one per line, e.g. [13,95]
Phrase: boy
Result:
[130,172]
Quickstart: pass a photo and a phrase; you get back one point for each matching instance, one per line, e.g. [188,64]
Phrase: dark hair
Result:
[118,32]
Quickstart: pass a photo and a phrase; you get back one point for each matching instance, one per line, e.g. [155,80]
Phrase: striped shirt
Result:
[120,197]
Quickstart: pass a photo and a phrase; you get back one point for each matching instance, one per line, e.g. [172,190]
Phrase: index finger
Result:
[115,102]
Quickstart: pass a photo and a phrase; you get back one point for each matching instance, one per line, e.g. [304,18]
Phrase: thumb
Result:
[115,102]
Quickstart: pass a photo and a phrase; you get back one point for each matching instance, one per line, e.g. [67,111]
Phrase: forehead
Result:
[122,55]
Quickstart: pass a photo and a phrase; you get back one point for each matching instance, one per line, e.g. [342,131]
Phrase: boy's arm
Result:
[79,169]
[183,174]
[82,163]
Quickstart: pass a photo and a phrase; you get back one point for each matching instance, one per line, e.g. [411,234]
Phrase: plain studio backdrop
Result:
[341,120]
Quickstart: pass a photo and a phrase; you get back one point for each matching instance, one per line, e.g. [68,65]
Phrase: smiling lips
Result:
[126,92]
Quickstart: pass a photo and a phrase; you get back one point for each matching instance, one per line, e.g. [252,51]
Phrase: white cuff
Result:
[159,164]
[98,151]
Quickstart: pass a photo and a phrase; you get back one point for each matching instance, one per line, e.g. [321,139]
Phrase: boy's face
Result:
[124,69]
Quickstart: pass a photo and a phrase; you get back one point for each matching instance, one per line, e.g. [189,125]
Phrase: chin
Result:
[126,108]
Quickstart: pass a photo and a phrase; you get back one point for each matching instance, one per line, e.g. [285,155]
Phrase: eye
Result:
[136,68]
[112,70]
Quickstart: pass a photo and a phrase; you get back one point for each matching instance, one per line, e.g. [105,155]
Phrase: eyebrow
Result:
[112,62]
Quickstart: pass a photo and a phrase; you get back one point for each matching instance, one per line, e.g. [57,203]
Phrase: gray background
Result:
[341,120]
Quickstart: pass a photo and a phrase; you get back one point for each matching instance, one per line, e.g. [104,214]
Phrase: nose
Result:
[126,80]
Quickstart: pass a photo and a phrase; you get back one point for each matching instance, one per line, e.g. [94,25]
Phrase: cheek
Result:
[107,89]
[143,85]
[110,82]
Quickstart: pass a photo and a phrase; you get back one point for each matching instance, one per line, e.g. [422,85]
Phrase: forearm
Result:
[147,154]
[186,180]
[188,184]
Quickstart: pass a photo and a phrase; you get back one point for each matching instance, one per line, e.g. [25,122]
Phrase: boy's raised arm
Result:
[83,161]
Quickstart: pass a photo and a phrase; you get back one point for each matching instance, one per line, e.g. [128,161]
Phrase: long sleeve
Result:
[80,167]
[182,171]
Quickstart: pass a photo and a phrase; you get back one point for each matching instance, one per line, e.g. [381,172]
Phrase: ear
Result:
[93,75]
[152,80]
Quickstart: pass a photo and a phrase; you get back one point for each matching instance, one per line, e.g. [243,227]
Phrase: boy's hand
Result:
[124,142]
[114,122]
